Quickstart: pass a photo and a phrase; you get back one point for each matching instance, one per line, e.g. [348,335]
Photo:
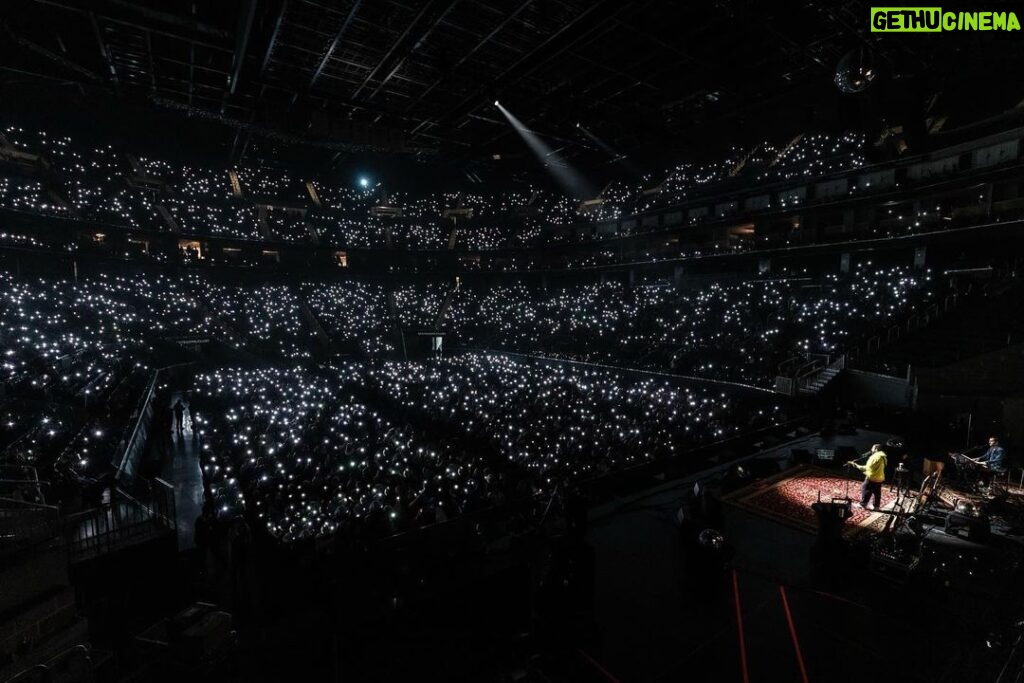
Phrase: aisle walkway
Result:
[181,469]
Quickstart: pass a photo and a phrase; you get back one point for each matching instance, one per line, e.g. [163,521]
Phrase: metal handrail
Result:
[785,365]
[15,503]
[111,526]
[808,378]
[807,368]
[141,406]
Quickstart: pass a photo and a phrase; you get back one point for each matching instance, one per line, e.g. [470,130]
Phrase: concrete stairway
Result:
[815,384]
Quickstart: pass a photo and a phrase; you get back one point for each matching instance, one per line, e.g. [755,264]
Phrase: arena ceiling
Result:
[420,77]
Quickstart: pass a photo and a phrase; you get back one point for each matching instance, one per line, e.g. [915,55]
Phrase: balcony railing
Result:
[126,520]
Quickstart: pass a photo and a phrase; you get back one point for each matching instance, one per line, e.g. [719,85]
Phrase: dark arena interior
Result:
[536,341]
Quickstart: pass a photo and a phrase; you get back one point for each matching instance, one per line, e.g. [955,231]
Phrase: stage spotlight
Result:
[364,182]
[497,103]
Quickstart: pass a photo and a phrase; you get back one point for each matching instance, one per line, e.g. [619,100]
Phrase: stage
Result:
[788,496]
[659,622]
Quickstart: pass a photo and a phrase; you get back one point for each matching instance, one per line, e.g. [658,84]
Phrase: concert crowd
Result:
[312,419]
[124,187]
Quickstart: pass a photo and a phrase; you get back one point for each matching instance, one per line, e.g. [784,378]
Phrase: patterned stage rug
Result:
[948,497]
[787,498]
[1007,495]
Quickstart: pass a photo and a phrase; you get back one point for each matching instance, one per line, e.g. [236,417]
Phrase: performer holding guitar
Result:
[874,475]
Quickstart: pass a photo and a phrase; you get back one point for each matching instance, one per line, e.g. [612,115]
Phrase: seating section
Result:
[975,322]
[310,416]
[107,183]
[398,445]
[737,332]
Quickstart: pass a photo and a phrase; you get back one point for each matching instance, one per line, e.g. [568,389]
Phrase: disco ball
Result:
[710,538]
[856,71]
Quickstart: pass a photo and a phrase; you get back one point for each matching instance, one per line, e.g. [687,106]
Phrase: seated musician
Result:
[993,460]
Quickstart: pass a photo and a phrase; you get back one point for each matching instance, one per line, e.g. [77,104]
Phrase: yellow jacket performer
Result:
[874,475]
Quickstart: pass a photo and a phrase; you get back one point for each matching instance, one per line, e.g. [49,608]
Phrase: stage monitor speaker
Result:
[840,508]
[831,517]
[977,528]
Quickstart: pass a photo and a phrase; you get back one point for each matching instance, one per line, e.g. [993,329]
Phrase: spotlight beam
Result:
[597,141]
[616,157]
[571,180]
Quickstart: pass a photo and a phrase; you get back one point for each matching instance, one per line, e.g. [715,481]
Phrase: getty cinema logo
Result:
[934,20]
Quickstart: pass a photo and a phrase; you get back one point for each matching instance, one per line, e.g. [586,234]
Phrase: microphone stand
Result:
[850,464]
